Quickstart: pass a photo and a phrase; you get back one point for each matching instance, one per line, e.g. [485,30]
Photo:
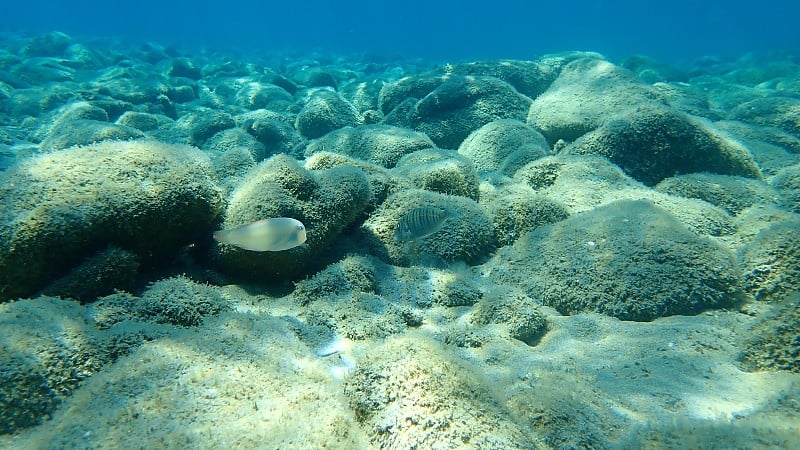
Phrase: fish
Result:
[266,235]
[420,222]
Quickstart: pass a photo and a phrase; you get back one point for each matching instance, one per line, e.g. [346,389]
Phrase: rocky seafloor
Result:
[619,267]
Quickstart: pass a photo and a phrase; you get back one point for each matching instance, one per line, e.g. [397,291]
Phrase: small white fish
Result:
[267,235]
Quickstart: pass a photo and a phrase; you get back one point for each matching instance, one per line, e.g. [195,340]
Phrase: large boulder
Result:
[146,197]
[377,144]
[462,104]
[504,146]
[325,201]
[654,142]
[585,95]
[628,259]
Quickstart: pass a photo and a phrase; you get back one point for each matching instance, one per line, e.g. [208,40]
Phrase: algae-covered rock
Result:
[145,197]
[274,130]
[378,144]
[585,182]
[628,259]
[514,310]
[438,170]
[787,183]
[774,343]
[728,192]
[143,121]
[178,301]
[382,181]
[325,201]
[771,261]
[412,393]
[516,209]
[234,138]
[587,92]
[466,236]
[462,104]
[201,125]
[504,145]
[324,112]
[109,269]
[85,132]
[351,274]
[48,348]
[779,112]
[530,78]
[256,95]
[653,143]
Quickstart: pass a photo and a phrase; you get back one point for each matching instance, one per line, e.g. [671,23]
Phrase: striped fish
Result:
[420,222]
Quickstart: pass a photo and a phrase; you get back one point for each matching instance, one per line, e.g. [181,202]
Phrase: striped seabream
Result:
[420,222]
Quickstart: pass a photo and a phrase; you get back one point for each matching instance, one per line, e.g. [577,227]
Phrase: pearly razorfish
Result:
[420,222]
[267,235]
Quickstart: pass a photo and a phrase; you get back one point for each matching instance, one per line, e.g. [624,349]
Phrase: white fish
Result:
[267,235]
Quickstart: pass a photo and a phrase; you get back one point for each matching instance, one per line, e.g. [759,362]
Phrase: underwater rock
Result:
[512,309]
[84,132]
[585,95]
[201,125]
[628,259]
[651,143]
[771,261]
[383,182]
[48,44]
[504,146]
[773,342]
[778,112]
[178,301]
[42,70]
[787,182]
[256,95]
[529,78]
[733,194]
[582,183]
[462,104]
[438,170]
[235,138]
[326,201]
[351,274]
[516,209]
[275,131]
[185,68]
[750,133]
[48,348]
[430,398]
[144,121]
[411,88]
[146,197]
[378,144]
[109,269]
[313,77]
[136,84]
[325,111]
[364,95]
[467,237]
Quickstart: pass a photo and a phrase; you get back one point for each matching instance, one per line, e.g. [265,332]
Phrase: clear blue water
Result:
[674,31]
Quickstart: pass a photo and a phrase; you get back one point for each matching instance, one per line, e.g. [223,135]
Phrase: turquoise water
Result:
[678,30]
[358,225]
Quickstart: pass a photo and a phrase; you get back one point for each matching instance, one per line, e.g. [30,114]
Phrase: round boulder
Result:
[146,197]
[629,259]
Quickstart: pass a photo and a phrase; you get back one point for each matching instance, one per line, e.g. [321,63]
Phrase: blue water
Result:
[673,31]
